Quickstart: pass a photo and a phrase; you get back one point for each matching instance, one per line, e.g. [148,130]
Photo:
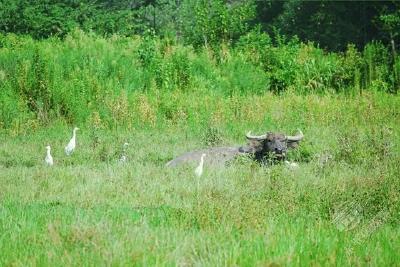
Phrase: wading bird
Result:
[199,169]
[48,159]
[291,165]
[72,143]
[123,154]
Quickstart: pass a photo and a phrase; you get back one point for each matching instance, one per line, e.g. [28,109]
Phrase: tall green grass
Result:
[341,207]
[85,75]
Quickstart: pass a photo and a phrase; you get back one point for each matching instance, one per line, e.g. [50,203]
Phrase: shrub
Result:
[70,79]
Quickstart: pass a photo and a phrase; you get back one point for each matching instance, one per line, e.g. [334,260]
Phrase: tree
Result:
[391,25]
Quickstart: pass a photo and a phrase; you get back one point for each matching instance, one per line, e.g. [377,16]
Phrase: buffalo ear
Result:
[256,145]
[292,144]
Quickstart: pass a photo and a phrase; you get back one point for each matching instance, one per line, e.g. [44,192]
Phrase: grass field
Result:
[340,208]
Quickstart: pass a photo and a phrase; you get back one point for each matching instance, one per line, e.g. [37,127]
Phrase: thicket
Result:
[125,80]
[331,24]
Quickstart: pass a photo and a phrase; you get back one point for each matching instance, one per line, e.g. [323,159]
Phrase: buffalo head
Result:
[272,144]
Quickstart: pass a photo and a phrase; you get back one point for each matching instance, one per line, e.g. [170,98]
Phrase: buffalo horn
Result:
[297,137]
[257,137]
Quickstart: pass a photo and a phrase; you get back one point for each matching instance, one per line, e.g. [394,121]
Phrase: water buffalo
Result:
[269,145]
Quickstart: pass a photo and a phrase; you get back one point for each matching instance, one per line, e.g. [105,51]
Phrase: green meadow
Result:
[340,207]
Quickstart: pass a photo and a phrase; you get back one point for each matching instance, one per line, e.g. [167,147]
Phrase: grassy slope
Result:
[90,210]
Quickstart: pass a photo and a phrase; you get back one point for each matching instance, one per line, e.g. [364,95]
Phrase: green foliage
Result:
[209,23]
[376,65]
[352,63]
[45,18]
[391,23]
[254,43]
[83,74]
[332,25]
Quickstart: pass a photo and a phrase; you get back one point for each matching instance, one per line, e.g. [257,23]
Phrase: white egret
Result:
[48,159]
[123,154]
[291,165]
[199,169]
[72,143]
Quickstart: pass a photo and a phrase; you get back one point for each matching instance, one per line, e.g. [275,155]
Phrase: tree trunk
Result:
[396,76]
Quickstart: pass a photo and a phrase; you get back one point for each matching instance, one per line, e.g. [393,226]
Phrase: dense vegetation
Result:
[85,75]
[341,207]
[173,76]
[332,24]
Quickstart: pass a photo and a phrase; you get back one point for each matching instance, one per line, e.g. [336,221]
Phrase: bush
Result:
[70,79]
